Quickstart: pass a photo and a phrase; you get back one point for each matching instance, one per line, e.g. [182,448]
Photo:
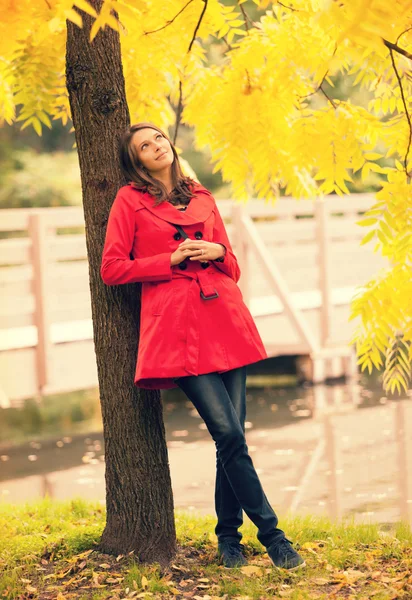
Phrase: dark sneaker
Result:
[230,554]
[284,556]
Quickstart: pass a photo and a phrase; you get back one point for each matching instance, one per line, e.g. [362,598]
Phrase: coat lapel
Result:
[199,209]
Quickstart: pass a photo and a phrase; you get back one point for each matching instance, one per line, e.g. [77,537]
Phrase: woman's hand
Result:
[192,249]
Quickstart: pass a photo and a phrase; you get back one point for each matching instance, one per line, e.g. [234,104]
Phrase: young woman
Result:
[196,333]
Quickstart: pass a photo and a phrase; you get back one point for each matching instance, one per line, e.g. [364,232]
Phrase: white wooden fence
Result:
[300,261]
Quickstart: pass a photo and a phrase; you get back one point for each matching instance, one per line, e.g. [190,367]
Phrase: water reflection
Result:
[337,450]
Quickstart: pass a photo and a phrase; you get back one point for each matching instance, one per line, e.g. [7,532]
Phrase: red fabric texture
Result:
[180,332]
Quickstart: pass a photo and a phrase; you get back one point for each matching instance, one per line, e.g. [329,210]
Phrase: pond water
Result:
[340,450]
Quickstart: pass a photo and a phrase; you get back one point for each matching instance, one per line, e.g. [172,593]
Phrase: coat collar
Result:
[199,209]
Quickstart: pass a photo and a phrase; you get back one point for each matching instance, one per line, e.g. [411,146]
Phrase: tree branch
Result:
[245,17]
[198,25]
[178,111]
[321,88]
[401,34]
[180,103]
[395,47]
[229,47]
[408,118]
[171,21]
[330,99]
[289,7]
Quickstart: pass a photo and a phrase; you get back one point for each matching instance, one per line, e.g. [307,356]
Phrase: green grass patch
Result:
[48,550]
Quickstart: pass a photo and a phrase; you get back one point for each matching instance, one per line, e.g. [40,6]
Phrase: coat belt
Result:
[192,321]
[207,290]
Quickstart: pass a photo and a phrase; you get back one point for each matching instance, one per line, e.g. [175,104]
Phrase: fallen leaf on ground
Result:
[320,581]
[174,591]
[96,581]
[83,554]
[145,582]
[309,545]
[250,570]
[178,568]
[353,575]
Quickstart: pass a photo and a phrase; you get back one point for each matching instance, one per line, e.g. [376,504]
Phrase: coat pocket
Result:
[159,299]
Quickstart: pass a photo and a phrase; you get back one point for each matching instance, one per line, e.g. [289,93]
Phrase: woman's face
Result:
[153,150]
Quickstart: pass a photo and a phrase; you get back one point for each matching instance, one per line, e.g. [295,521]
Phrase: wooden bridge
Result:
[301,262]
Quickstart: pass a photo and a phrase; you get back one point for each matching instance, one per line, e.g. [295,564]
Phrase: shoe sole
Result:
[285,568]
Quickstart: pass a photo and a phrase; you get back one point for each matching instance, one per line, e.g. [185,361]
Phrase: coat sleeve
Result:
[228,263]
[117,266]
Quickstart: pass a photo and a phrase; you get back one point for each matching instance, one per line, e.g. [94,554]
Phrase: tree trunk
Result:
[139,497]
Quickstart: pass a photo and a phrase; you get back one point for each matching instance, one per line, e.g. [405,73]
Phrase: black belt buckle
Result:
[216,295]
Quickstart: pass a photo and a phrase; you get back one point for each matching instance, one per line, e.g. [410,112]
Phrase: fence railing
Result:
[299,252]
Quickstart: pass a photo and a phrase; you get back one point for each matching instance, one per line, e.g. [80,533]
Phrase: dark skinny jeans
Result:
[220,400]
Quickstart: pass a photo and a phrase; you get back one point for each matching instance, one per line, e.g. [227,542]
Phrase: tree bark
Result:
[139,498]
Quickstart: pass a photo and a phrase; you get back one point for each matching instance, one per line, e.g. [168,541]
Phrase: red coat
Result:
[180,332]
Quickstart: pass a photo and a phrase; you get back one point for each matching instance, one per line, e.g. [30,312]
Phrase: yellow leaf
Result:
[365,171]
[94,29]
[37,126]
[368,237]
[145,582]
[366,222]
[321,581]
[382,237]
[372,155]
[74,16]
[85,6]
[250,570]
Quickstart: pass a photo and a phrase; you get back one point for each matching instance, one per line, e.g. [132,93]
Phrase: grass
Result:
[48,551]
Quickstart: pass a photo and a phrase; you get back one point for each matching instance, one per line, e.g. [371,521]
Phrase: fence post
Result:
[324,271]
[241,242]
[38,234]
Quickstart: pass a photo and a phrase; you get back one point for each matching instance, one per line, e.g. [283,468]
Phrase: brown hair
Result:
[140,178]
